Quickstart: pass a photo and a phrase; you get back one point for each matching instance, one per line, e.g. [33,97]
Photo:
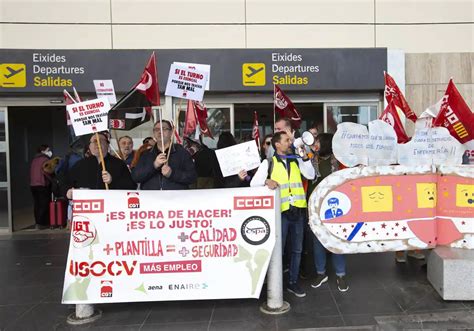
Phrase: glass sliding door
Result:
[361,113]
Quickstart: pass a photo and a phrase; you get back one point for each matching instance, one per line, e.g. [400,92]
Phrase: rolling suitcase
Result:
[57,213]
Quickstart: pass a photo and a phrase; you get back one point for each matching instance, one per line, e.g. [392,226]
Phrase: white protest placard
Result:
[105,89]
[186,83]
[431,146]
[382,145]
[125,247]
[349,144]
[239,157]
[200,67]
[89,116]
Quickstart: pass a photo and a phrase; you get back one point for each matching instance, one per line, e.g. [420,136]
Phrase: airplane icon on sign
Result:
[13,72]
[253,71]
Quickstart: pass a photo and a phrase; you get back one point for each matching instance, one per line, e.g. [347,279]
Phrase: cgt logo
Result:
[133,200]
[106,288]
[100,268]
[261,202]
[88,206]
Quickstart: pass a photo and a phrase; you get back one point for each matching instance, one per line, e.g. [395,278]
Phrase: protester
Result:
[401,256]
[205,161]
[150,141]
[285,171]
[226,139]
[139,152]
[87,173]
[76,153]
[266,144]
[40,186]
[125,144]
[154,171]
[282,125]
[327,164]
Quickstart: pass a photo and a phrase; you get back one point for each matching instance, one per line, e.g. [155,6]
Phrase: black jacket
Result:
[87,173]
[183,172]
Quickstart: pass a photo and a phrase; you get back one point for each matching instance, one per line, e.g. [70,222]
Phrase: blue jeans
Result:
[293,223]
[319,253]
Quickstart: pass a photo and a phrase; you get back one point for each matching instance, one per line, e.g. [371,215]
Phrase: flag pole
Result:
[101,157]
[274,115]
[120,155]
[176,119]
[161,131]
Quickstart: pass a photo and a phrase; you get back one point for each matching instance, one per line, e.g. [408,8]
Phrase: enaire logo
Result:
[189,286]
[101,268]
[133,200]
[255,230]
[83,231]
[88,206]
[106,289]
[261,202]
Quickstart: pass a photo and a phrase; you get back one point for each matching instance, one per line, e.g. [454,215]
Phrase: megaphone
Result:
[301,143]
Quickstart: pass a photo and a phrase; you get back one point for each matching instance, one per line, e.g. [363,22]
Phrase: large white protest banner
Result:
[239,157]
[186,83]
[431,146]
[200,67]
[382,145]
[354,144]
[349,144]
[105,89]
[169,245]
[89,116]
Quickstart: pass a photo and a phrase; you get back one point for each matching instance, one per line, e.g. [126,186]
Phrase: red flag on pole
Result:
[196,113]
[190,120]
[285,108]
[255,130]
[134,108]
[455,115]
[201,112]
[393,93]
[148,84]
[390,116]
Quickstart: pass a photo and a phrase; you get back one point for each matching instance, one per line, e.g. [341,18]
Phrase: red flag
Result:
[255,131]
[148,84]
[190,121]
[201,112]
[134,108]
[285,108]
[455,115]
[196,113]
[390,115]
[393,93]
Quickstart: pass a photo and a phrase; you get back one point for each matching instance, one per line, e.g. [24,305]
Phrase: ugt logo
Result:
[133,200]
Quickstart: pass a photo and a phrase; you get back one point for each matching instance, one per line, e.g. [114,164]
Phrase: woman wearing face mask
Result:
[41,186]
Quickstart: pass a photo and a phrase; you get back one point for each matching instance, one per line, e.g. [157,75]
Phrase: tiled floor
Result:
[32,272]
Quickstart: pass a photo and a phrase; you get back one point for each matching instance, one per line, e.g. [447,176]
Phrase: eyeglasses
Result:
[159,130]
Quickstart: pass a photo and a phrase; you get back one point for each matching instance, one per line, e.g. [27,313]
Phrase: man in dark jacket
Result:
[155,172]
[87,173]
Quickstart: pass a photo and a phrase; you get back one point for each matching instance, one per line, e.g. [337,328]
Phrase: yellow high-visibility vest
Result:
[289,185]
